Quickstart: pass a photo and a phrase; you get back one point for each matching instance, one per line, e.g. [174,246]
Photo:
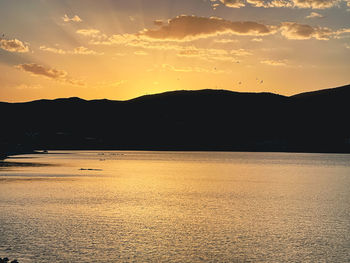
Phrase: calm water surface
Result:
[176,207]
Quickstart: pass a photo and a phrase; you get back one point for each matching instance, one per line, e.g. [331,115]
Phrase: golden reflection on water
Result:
[177,207]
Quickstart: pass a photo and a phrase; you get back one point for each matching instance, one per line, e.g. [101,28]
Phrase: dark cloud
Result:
[188,28]
[292,30]
[158,22]
[182,28]
[50,73]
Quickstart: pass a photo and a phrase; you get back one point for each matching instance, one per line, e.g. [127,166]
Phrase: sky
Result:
[118,49]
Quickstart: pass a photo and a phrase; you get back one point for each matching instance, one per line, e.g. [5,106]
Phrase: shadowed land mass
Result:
[215,120]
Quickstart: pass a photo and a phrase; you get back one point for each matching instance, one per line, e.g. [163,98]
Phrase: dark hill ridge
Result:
[184,120]
[333,92]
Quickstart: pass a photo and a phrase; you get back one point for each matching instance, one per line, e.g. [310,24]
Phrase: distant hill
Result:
[184,120]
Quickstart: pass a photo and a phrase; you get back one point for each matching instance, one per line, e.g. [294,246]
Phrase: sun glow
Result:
[121,50]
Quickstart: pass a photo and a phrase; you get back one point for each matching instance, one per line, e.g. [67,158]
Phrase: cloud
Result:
[182,50]
[342,33]
[233,3]
[75,18]
[211,54]
[140,53]
[49,73]
[89,32]
[53,50]
[270,4]
[14,45]
[225,41]
[77,51]
[36,69]
[185,28]
[314,4]
[85,51]
[292,30]
[275,63]
[132,40]
[214,6]
[240,52]
[158,22]
[102,39]
[314,15]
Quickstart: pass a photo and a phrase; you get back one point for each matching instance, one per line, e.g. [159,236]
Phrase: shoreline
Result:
[4,156]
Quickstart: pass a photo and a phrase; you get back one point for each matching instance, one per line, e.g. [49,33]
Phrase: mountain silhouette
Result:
[216,120]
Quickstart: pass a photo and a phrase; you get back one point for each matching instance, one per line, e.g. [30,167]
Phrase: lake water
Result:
[118,206]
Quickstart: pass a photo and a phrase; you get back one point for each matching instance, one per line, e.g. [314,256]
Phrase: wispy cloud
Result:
[276,63]
[85,51]
[314,15]
[75,18]
[140,53]
[342,33]
[77,51]
[211,54]
[313,4]
[89,32]
[233,3]
[28,87]
[225,41]
[53,50]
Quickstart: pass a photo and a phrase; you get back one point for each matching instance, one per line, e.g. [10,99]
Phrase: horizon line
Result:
[180,90]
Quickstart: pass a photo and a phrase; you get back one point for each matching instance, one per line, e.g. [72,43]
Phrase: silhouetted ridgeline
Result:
[185,120]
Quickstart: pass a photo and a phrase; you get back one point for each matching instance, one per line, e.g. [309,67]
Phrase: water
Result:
[176,207]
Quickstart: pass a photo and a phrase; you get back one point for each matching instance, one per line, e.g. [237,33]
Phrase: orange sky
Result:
[119,50]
